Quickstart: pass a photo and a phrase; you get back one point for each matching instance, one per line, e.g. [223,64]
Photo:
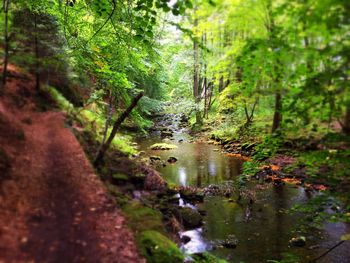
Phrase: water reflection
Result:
[182,176]
[199,165]
[266,236]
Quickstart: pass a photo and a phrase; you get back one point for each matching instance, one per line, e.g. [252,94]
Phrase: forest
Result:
[170,131]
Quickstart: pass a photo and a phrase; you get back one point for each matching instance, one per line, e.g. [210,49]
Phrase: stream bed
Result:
[262,237]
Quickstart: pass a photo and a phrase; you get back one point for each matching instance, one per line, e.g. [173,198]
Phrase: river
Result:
[265,235]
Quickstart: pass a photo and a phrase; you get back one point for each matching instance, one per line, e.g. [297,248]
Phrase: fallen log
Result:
[101,153]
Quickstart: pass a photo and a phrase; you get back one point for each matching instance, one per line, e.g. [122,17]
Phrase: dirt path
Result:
[53,208]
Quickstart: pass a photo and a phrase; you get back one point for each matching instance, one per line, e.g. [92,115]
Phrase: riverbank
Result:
[205,186]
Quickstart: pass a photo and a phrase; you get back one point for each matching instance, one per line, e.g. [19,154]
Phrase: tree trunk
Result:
[221,84]
[116,126]
[6,5]
[277,118]
[109,117]
[36,50]
[196,93]
[346,124]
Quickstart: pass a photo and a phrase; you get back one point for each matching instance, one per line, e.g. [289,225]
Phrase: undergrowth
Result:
[92,121]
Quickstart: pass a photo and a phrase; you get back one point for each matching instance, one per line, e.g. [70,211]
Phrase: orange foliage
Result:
[239,156]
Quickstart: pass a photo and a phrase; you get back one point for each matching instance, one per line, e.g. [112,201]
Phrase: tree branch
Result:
[105,23]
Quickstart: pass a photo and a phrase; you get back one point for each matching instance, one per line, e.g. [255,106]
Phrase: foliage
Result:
[268,147]
[250,168]
[320,209]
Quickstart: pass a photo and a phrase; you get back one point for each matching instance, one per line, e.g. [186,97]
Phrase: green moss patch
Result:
[120,178]
[157,248]
[163,146]
[141,218]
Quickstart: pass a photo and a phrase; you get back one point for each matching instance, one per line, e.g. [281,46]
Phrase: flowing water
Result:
[266,233]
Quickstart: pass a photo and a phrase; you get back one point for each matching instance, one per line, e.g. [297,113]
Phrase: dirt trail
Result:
[53,208]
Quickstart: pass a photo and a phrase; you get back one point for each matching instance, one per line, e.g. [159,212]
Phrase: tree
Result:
[6,9]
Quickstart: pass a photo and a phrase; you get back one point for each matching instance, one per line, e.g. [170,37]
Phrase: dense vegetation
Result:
[268,75]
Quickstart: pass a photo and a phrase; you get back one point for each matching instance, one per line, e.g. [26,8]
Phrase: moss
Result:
[120,198]
[190,218]
[141,218]
[157,248]
[163,146]
[60,100]
[120,177]
[207,258]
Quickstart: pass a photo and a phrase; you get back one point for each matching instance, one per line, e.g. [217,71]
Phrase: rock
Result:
[119,178]
[138,179]
[157,248]
[299,241]
[162,146]
[166,134]
[191,196]
[248,146]
[230,242]
[153,180]
[183,118]
[185,239]
[155,158]
[172,159]
[189,217]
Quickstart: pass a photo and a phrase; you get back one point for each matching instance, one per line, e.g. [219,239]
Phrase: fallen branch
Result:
[116,126]
[329,250]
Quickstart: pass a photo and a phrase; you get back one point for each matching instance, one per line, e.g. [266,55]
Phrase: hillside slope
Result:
[53,208]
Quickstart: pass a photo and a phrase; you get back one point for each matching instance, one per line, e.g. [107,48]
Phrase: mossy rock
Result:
[189,217]
[141,218]
[157,248]
[138,179]
[206,258]
[163,146]
[119,178]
